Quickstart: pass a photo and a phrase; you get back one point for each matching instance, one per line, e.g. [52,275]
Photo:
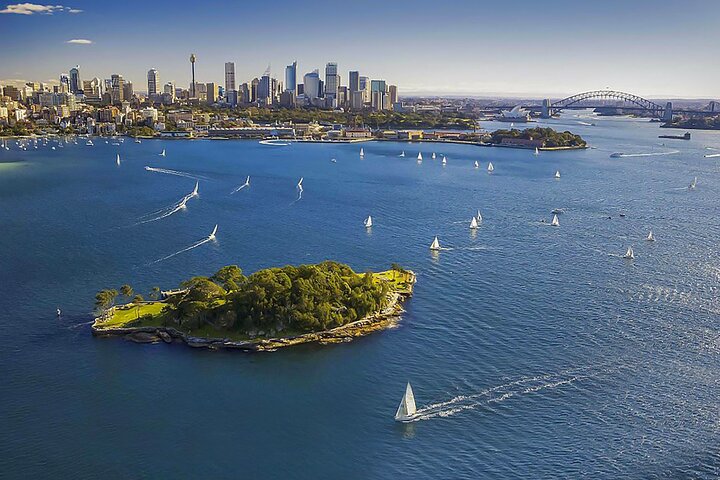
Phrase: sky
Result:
[538,48]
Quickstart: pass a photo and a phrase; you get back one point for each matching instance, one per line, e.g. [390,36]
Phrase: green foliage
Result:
[550,137]
[298,299]
[707,123]
[126,290]
[105,299]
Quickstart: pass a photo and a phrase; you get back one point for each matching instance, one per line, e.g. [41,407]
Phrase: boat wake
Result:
[210,238]
[652,154]
[489,397]
[174,172]
[246,184]
[166,212]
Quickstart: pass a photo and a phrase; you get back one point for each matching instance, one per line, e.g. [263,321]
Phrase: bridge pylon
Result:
[545,111]
[668,113]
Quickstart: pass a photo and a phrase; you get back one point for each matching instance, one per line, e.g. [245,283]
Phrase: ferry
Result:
[677,137]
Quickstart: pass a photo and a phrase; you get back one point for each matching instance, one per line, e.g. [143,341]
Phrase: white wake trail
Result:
[186,249]
[174,172]
[166,212]
[246,184]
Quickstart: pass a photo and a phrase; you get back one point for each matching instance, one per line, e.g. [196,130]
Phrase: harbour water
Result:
[533,351]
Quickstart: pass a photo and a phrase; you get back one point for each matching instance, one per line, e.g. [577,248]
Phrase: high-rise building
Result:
[254,89]
[392,94]
[153,78]
[332,80]
[211,90]
[229,76]
[116,88]
[127,91]
[378,94]
[64,83]
[291,77]
[365,88]
[354,81]
[75,82]
[92,88]
[311,82]
[264,89]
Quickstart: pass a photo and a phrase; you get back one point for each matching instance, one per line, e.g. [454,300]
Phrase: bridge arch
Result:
[605,95]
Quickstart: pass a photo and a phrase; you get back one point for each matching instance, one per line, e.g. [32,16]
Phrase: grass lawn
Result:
[123,315]
[399,282]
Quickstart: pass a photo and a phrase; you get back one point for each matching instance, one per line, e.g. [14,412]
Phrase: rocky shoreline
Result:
[386,318]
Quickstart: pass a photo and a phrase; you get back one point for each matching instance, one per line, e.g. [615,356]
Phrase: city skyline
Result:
[419,48]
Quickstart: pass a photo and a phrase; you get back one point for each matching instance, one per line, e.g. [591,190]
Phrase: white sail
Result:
[557,174]
[694,183]
[368,222]
[435,245]
[247,181]
[537,152]
[555,221]
[362,152]
[650,237]
[117,159]
[444,161]
[629,254]
[434,156]
[478,217]
[162,154]
[402,154]
[477,165]
[407,407]
[491,168]
[212,235]
[419,156]
[474,223]
[195,190]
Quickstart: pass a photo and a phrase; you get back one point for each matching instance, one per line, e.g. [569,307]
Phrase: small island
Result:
[694,123]
[269,309]
[538,137]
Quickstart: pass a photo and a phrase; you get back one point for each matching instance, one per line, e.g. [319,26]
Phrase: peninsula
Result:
[269,309]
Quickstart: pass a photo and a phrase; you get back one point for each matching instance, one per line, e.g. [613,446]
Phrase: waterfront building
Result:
[153,80]
[517,114]
[75,82]
[291,77]
[229,76]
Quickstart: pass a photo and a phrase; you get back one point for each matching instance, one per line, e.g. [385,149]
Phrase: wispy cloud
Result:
[34,8]
[80,41]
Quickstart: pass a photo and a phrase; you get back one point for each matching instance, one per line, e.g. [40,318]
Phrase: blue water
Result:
[534,352]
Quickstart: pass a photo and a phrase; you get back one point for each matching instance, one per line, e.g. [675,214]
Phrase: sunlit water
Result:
[534,352]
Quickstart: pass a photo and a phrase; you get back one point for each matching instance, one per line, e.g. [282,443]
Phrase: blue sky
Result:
[520,47]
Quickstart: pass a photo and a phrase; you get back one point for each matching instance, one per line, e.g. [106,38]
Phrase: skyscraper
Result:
[392,94]
[264,88]
[117,85]
[354,81]
[64,83]
[229,76]
[291,77]
[75,82]
[332,81]
[153,81]
[212,92]
[311,82]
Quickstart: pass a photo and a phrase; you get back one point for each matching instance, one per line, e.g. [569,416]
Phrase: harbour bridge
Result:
[600,99]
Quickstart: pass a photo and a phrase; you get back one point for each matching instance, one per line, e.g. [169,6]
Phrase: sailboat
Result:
[629,255]
[537,152]
[195,190]
[212,235]
[490,168]
[362,152]
[557,174]
[555,221]
[434,156]
[444,161]
[694,183]
[137,140]
[247,181]
[162,154]
[478,217]
[435,245]
[402,154]
[477,165]
[650,237]
[419,157]
[406,410]
[368,222]
[473,223]
[117,159]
